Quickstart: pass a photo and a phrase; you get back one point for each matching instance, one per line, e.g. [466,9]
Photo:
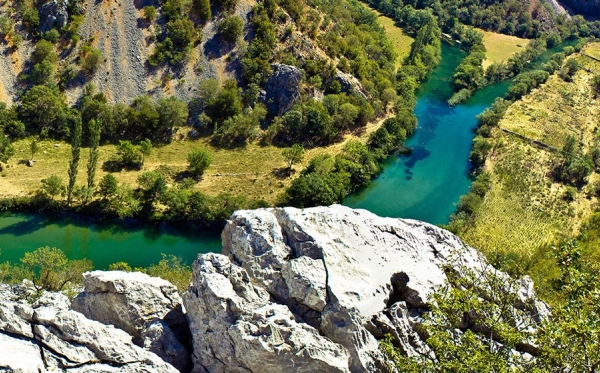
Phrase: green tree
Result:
[198,161]
[150,13]
[293,155]
[230,29]
[145,148]
[49,269]
[310,190]
[153,185]
[95,131]
[108,187]
[226,104]
[44,51]
[124,204]
[172,269]
[33,148]
[6,149]
[570,340]
[91,60]
[173,113]
[75,155]
[53,186]
[202,9]
[130,155]
[9,122]
[45,111]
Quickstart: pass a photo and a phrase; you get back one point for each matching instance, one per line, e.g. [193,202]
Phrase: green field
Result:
[500,47]
[397,37]
[526,208]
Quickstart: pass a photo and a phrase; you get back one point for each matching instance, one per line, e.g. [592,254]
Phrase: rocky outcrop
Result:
[311,290]
[349,83]
[48,336]
[148,308]
[237,328]
[282,90]
[314,290]
[54,14]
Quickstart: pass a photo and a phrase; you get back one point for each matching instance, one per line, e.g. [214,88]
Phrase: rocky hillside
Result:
[293,290]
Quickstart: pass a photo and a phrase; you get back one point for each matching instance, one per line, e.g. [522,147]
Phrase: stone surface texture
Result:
[302,291]
[338,278]
[148,308]
[282,90]
[53,14]
[48,336]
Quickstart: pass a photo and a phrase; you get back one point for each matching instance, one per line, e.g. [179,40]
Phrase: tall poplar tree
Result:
[75,155]
[94,127]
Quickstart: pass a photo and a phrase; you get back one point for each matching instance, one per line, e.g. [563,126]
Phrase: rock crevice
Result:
[346,277]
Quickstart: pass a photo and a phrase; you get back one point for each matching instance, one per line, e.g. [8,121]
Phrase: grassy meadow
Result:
[526,209]
[400,41]
[500,47]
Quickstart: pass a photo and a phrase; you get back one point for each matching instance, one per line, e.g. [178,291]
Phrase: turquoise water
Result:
[427,184]
[102,243]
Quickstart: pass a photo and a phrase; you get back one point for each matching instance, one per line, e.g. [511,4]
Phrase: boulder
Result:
[237,328]
[282,90]
[141,305]
[53,14]
[47,335]
[342,278]
[349,83]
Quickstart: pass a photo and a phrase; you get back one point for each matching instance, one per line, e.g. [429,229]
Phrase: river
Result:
[425,185]
[103,244]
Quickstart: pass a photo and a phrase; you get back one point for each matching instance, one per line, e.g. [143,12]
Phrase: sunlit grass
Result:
[500,47]
[400,41]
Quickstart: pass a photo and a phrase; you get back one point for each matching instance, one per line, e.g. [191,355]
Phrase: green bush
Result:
[230,29]
[198,161]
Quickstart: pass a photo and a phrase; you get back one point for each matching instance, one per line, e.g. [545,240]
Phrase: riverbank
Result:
[527,208]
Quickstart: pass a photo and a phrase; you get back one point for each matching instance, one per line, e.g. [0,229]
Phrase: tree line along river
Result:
[424,185]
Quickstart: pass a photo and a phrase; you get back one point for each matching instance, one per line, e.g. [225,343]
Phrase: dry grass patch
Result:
[555,110]
[500,47]
[593,49]
[254,171]
[400,41]
[525,208]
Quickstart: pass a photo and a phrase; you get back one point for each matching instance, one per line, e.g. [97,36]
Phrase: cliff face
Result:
[294,290]
[314,290]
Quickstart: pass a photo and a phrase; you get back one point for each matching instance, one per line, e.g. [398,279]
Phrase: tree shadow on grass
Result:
[283,172]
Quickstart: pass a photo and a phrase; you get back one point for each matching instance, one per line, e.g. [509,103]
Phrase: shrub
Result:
[230,29]
[91,61]
[198,161]
[150,13]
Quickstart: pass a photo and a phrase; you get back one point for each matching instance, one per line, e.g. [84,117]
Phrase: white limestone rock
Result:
[347,275]
[135,302]
[306,280]
[127,300]
[59,338]
[236,327]
[161,340]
